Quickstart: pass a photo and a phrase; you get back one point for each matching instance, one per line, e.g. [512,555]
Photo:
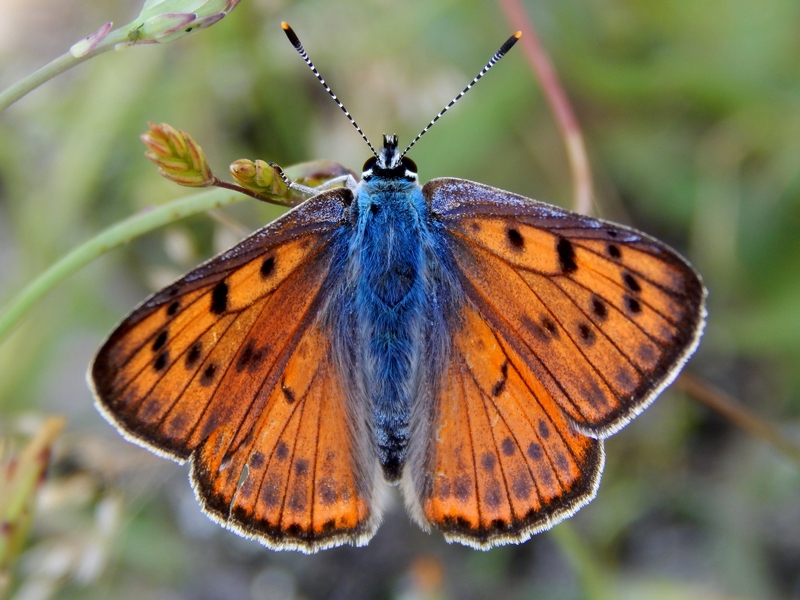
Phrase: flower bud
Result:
[178,157]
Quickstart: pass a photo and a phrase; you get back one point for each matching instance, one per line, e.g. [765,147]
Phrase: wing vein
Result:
[226,273]
[522,451]
[472,446]
[632,321]
[297,405]
[534,352]
[595,271]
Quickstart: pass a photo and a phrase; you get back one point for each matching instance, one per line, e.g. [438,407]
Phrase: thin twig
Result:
[732,410]
[116,235]
[226,220]
[559,104]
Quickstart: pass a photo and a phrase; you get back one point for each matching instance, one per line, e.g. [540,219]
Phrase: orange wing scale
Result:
[230,366]
[293,479]
[568,327]
[194,370]
[506,461]
[601,327]
[564,328]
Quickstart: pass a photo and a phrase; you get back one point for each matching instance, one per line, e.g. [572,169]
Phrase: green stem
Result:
[114,236]
[37,78]
[53,68]
[594,582]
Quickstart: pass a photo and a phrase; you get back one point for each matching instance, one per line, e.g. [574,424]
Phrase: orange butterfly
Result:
[471,344]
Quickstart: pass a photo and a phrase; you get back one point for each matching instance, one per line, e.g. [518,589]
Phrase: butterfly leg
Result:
[347,179]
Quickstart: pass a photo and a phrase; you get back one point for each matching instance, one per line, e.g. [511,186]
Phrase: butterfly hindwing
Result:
[569,327]
[506,461]
[294,480]
[227,366]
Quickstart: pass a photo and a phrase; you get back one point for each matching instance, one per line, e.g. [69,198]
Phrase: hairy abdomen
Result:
[390,304]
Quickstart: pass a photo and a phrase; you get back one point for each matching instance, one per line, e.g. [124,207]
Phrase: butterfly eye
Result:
[409,164]
[371,162]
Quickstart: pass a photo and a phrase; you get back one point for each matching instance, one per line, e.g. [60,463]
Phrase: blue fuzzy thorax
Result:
[387,263]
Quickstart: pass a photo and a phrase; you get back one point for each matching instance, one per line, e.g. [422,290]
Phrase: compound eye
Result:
[371,162]
[408,164]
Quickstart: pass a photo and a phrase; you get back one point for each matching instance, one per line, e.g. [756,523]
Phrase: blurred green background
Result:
[691,114]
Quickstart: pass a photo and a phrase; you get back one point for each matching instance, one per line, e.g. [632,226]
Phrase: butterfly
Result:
[467,343]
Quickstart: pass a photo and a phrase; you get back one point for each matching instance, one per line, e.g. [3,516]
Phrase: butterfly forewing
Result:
[606,314]
[225,366]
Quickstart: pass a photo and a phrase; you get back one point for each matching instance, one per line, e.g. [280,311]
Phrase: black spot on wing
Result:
[550,326]
[250,357]
[633,306]
[257,460]
[544,331]
[631,283]
[194,354]
[562,462]
[301,467]
[288,393]
[515,238]
[535,451]
[160,341]
[521,486]
[488,461]
[268,266]
[207,378]
[500,384]
[493,497]
[566,256]
[161,361]
[219,298]
[586,333]
[544,430]
[327,492]
[462,487]
[281,450]
[599,309]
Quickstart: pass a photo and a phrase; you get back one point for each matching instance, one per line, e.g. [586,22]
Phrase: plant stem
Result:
[595,584]
[37,78]
[738,414]
[559,104]
[114,236]
[53,68]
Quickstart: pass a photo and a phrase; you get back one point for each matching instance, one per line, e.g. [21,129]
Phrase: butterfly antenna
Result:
[299,47]
[497,56]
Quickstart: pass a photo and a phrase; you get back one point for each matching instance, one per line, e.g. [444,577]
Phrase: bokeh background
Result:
[691,115]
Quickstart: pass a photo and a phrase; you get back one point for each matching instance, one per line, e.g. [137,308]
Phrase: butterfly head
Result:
[390,163]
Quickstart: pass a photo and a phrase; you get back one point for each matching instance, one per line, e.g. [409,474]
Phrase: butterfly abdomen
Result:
[389,311]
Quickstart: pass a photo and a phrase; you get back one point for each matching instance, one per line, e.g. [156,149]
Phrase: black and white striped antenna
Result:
[509,43]
[299,47]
